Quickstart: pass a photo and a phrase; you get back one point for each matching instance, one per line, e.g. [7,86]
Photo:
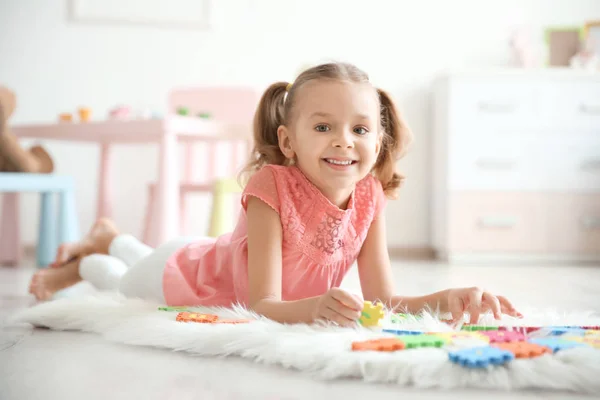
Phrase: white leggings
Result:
[133,268]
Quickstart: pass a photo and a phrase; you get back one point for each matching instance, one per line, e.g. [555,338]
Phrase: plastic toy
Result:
[196,317]
[401,332]
[385,344]
[185,316]
[451,336]
[523,349]
[371,314]
[481,357]
[503,336]
[567,330]
[556,344]
[479,328]
[593,341]
[174,308]
[414,341]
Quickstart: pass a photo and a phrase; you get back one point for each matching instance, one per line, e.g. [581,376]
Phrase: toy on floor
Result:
[186,316]
[371,314]
[195,317]
[472,345]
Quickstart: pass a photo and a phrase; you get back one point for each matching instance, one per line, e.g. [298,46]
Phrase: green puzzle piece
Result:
[414,341]
[479,328]
[399,317]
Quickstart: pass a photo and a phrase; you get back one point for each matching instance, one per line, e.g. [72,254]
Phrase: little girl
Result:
[323,164]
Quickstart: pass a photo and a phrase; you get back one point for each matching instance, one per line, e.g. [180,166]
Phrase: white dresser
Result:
[516,165]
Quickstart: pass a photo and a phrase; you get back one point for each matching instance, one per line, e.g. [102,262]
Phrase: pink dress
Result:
[320,242]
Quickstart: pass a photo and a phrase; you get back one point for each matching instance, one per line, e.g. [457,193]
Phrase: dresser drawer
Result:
[572,105]
[495,163]
[571,163]
[574,223]
[491,105]
[496,222]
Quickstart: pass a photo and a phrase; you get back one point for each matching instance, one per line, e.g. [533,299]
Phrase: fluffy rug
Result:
[325,352]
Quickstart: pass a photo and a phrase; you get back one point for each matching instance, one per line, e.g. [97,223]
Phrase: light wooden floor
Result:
[42,364]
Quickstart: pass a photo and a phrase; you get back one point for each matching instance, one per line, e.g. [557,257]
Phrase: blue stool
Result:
[54,228]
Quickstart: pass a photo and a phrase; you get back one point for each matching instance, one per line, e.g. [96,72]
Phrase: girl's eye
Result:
[360,130]
[322,128]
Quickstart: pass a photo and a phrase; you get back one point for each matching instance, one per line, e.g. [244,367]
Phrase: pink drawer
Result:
[574,223]
[497,222]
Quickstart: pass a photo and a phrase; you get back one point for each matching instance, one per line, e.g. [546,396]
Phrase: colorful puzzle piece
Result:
[453,335]
[174,308]
[402,332]
[479,328]
[523,329]
[480,357]
[196,317]
[556,344]
[523,349]
[503,336]
[384,344]
[559,330]
[371,314]
[414,341]
[593,341]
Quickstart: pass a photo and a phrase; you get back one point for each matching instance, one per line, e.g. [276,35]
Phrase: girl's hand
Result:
[339,306]
[477,301]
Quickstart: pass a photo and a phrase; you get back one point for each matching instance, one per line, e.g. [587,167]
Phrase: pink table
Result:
[166,133]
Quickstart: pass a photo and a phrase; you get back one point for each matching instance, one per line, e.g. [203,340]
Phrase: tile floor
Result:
[43,364]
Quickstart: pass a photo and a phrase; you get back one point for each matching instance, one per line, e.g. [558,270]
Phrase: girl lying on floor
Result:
[323,165]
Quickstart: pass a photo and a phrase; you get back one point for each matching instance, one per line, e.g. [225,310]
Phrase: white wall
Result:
[55,66]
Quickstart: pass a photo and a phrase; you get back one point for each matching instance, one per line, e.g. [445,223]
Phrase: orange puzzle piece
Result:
[384,344]
[523,349]
[196,317]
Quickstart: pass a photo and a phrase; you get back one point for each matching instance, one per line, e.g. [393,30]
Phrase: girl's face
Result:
[333,135]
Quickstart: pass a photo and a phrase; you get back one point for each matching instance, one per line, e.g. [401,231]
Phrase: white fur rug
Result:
[324,351]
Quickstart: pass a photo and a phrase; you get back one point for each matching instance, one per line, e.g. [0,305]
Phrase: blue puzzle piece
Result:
[562,330]
[556,344]
[401,332]
[481,357]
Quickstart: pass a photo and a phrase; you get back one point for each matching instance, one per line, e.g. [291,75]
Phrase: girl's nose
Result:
[343,140]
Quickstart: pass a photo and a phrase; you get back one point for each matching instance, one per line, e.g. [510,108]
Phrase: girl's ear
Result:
[285,142]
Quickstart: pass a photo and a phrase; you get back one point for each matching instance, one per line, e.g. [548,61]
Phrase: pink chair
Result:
[233,104]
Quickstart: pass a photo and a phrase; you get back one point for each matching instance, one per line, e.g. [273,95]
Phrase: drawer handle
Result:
[590,165]
[498,222]
[495,164]
[496,108]
[590,222]
[589,109]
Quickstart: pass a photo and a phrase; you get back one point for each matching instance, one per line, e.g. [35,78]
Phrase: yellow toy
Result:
[371,314]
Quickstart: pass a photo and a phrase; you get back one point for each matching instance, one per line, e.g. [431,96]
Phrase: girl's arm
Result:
[376,278]
[264,268]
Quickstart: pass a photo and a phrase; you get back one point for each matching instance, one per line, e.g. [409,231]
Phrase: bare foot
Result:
[48,281]
[97,241]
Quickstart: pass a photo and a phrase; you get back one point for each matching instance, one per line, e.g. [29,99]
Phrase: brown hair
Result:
[276,106]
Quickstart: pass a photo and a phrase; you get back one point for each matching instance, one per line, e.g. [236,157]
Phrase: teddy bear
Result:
[13,157]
